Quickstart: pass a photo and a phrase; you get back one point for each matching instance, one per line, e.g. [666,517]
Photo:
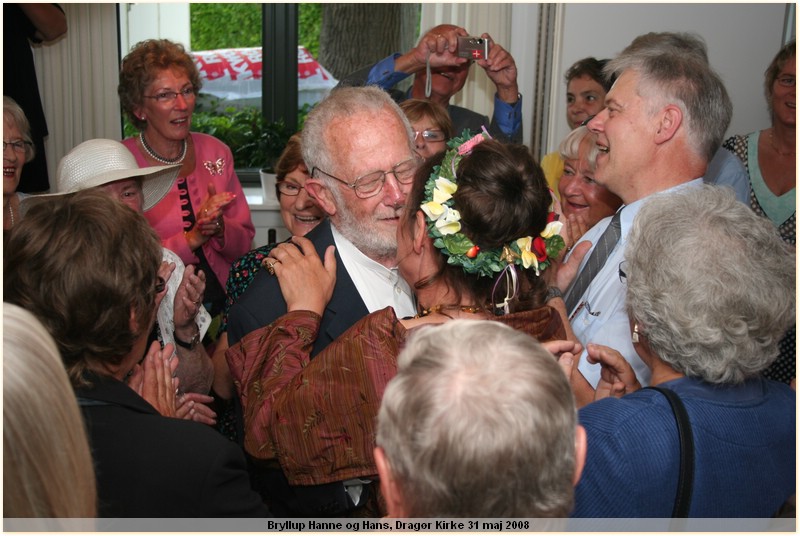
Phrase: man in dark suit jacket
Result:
[448,75]
[359,147]
[345,308]
[148,465]
[98,300]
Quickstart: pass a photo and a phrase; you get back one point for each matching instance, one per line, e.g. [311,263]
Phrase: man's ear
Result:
[580,453]
[321,195]
[389,487]
[134,322]
[670,119]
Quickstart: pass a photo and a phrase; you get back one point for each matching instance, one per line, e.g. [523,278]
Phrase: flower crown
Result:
[444,224]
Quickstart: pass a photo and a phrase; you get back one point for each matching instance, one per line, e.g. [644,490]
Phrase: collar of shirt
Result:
[377,285]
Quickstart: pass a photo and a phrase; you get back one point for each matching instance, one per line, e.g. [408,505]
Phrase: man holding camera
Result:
[439,48]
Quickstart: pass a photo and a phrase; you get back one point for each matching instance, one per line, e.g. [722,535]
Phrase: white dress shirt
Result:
[378,285]
[600,316]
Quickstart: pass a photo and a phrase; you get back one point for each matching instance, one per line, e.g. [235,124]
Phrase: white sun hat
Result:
[98,162]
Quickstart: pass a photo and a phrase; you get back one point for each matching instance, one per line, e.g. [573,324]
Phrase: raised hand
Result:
[501,69]
[188,300]
[617,377]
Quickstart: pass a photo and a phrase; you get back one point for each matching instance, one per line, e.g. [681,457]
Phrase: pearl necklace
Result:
[169,161]
[11,212]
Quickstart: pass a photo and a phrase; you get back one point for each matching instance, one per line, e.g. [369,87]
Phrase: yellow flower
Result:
[444,190]
[433,210]
[528,257]
[449,222]
[553,228]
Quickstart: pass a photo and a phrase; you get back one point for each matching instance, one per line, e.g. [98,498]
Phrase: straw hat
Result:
[98,162]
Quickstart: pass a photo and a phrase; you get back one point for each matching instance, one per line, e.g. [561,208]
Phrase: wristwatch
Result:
[188,345]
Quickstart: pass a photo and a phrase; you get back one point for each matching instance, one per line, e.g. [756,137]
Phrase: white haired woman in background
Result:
[710,292]
[18,150]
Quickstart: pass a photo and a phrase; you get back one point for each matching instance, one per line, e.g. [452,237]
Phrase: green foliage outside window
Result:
[225,26]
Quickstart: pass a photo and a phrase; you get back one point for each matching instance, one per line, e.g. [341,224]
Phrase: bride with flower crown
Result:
[475,241]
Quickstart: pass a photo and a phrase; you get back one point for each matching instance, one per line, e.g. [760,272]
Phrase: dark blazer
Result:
[148,465]
[461,117]
[262,303]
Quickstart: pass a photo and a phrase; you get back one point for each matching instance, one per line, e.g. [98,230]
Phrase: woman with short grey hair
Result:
[710,292]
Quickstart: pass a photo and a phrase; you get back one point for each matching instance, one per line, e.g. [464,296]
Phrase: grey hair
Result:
[710,284]
[13,112]
[673,69]
[343,102]
[570,147]
[39,412]
[479,422]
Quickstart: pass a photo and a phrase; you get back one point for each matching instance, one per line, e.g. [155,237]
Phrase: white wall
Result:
[140,21]
[742,39]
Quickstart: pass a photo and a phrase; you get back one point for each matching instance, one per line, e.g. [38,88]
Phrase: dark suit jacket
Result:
[152,466]
[461,117]
[262,303]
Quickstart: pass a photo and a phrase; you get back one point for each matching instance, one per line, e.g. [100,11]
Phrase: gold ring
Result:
[269,265]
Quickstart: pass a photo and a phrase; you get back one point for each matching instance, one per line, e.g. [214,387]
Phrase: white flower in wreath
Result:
[444,190]
[448,223]
[553,228]
[433,210]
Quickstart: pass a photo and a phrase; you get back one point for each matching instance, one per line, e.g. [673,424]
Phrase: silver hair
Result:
[343,102]
[13,113]
[710,284]
[673,69]
[479,422]
[570,147]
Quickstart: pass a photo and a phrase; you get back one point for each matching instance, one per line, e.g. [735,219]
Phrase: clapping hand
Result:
[188,300]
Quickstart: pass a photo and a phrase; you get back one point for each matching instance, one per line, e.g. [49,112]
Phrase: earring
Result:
[635,334]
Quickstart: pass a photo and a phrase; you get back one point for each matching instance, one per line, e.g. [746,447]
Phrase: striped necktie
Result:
[596,261]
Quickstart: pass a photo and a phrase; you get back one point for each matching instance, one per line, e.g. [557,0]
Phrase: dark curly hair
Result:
[141,66]
[502,195]
[593,68]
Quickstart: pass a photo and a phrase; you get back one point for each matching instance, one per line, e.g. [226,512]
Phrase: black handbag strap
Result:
[683,499]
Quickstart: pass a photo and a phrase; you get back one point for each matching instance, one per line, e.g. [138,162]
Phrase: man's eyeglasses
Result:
[18,146]
[170,96]
[430,135]
[288,188]
[372,183]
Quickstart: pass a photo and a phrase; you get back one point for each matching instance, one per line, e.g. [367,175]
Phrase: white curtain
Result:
[78,78]
[494,19]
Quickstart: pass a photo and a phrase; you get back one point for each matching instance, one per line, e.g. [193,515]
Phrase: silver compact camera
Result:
[474,48]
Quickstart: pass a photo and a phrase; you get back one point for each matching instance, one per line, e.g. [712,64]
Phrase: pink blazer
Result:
[213,163]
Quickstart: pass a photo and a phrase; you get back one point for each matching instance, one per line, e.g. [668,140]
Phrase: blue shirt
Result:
[744,443]
[727,170]
[508,117]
